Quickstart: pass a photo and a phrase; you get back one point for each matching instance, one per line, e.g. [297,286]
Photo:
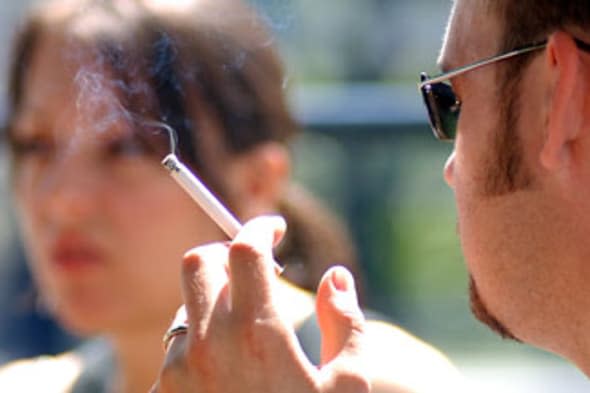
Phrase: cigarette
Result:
[205,198]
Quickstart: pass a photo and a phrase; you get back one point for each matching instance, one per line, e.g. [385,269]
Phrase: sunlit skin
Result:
[527,249]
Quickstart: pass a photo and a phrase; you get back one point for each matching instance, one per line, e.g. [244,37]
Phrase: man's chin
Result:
[481,312]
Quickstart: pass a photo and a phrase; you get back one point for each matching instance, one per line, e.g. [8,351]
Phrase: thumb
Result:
[339,316]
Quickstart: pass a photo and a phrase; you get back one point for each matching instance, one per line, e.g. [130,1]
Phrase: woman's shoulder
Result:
[83,369]
[48,374]
[396,355]
[397,360]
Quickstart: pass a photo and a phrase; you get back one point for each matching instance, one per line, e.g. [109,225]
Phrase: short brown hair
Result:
[522,22]
[526,21]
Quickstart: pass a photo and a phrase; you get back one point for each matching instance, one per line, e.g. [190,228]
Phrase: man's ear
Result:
[568,78]
[259,178]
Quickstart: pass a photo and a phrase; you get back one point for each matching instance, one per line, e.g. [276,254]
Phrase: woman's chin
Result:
[81,319]
[82,326]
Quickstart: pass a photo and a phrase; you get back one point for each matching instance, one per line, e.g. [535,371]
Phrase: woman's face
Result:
[104,225]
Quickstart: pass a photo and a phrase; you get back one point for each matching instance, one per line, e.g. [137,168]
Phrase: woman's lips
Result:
[73,253]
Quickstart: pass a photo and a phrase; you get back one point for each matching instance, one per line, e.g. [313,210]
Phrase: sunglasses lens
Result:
[443,109]
[448,108]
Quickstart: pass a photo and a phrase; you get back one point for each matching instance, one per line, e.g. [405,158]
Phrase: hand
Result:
[237,341]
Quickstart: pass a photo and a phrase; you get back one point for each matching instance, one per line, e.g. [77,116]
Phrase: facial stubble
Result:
[506,173]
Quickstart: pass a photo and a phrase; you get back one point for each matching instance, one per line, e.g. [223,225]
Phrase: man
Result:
[520,171]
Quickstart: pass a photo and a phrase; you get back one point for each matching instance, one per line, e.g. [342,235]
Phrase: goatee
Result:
[481,312]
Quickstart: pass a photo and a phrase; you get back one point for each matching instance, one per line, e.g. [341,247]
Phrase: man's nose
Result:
[449,169]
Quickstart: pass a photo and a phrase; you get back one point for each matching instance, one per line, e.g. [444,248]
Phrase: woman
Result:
[103,224]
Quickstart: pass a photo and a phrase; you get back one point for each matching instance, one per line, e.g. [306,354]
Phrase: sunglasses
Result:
[440,99]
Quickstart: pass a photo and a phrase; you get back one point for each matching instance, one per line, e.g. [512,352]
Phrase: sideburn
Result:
[506,171]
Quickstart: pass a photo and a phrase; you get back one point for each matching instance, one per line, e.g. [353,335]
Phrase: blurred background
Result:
[368,152]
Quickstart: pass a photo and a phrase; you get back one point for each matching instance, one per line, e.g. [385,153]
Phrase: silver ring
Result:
[173,332]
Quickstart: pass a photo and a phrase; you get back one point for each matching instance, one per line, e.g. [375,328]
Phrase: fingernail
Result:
[279,222]
[280,228]
[342,280]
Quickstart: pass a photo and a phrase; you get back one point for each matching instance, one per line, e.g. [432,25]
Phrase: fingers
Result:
[340,318]
[342,327]
[251,265]
[220,355]
[204,284]
[204,277]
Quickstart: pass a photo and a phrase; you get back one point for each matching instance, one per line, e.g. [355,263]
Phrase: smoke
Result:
[112,91]
[119,82]
[98,101]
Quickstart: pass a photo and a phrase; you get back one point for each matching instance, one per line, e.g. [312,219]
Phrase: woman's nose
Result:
[449,169]
[70,189]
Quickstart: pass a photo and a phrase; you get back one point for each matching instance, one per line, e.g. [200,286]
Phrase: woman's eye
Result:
[32,147]
[125,147]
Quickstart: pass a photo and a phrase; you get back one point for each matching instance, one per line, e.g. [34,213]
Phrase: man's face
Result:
[505,221]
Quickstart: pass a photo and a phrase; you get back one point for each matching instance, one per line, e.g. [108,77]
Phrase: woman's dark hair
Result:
[217,51]
[213,57]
